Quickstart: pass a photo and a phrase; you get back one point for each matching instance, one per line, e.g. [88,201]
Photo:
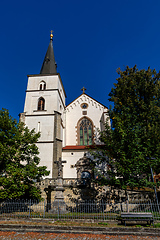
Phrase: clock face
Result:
[86,175]
[84,105]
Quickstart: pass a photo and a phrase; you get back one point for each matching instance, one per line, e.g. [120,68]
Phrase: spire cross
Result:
[51,35]
[83,89]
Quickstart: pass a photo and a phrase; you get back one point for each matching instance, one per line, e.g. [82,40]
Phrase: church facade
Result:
[66,131]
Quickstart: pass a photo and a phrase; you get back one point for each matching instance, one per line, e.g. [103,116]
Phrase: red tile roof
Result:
[79,147]
[75,147]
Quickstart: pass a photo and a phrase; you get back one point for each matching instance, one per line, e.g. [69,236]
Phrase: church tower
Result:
[44,108]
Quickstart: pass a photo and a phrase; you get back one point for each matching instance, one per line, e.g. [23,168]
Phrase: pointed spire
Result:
[49,65]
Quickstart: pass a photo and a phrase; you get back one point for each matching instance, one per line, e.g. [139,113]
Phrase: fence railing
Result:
[93,210]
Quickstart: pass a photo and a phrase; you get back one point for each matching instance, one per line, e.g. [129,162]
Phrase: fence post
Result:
[44,210]
[127,203]
[29,208]
[155,191]
[151,206]
[58,209]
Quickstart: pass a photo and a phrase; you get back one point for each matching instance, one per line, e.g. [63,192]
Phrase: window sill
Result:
[39,110]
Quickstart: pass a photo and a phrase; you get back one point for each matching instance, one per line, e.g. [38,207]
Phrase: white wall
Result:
[71,156]
[43,121]
[46,156]
[44,124]
[54,95]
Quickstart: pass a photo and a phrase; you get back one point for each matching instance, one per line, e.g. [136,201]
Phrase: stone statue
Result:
[60,167]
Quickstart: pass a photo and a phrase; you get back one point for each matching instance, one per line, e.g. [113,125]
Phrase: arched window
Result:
[41,103]
[42,85]
[85,128]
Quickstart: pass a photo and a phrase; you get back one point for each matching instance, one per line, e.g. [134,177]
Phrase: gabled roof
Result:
[87,96]
[49,65]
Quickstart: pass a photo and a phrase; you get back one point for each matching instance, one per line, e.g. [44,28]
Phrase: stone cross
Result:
[60,166]
[83,89]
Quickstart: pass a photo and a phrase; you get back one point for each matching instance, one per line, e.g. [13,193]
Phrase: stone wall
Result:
[72,192]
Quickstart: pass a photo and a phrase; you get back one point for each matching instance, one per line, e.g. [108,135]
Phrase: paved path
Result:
[68,236]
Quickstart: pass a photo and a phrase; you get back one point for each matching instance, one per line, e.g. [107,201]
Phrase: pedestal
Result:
[59,205]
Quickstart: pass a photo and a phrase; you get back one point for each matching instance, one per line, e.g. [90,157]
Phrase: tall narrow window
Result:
[41,103]
[85,132]
[42,85]
[38,127]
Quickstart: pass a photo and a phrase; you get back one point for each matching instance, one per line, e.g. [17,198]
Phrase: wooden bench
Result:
[137,216]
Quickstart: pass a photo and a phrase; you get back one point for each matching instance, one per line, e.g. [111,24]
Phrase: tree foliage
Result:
[132,142]
[19,170]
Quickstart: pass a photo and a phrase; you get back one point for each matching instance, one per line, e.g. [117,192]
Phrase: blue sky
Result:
[91,40]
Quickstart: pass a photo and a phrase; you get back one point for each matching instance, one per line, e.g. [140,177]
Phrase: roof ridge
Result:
[88,96]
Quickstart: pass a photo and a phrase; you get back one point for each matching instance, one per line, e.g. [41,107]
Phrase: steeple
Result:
[49,65]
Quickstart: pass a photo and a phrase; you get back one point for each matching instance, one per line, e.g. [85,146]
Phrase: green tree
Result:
[19,170]
[132,142]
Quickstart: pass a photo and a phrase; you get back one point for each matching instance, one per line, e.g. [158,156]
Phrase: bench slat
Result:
[133,216]
[147,215]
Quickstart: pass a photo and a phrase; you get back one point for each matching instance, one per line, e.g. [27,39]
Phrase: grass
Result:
[57,223]
[69,215]
[103,223]
[71,223]
[138,226]
[157,225]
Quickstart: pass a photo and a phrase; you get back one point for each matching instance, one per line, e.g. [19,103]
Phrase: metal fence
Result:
[89,210]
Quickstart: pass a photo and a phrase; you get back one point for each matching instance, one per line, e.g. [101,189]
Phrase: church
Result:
[66,131]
